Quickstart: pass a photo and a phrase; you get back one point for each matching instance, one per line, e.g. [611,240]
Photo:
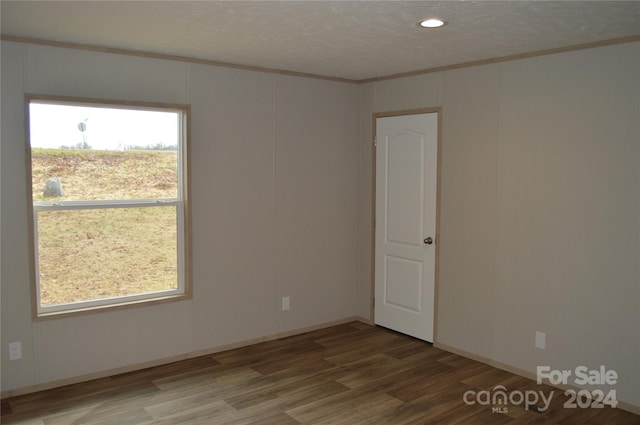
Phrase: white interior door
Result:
[405,232]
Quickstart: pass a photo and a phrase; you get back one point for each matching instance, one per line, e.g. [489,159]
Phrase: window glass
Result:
[108,203]
[104,153]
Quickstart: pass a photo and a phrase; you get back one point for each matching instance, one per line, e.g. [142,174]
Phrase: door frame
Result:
[419,111]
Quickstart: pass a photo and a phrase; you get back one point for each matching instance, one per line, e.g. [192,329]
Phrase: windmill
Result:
[82,126]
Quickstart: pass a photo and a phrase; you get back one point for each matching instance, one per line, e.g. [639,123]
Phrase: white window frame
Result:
[181,203]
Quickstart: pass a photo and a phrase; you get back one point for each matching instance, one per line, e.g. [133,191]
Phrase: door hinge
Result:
[375,141]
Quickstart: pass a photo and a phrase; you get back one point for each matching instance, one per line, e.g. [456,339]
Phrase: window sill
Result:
[111,307]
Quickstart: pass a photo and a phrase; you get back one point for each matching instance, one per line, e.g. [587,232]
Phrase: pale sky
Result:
[52,126]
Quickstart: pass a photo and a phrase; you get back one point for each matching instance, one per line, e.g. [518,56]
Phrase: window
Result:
[110,211]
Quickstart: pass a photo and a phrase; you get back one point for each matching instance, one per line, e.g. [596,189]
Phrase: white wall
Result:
[540,214]
[540,207]
[274,202]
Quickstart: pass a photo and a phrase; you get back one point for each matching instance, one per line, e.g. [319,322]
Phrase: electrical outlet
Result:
[285,303]
[15,350]
[541,338]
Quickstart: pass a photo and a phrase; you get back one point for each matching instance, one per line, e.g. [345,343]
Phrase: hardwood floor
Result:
[352,374]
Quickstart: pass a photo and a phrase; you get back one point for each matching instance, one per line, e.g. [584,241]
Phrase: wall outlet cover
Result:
[286,303]
[15,350]
[541,338]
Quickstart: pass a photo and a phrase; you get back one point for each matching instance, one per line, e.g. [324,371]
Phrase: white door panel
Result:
[403,288]
[404,198]
[406,182]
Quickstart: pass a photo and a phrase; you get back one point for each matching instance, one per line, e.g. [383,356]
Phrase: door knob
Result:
[428,240]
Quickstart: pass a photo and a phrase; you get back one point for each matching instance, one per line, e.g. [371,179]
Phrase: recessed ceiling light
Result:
[432,23]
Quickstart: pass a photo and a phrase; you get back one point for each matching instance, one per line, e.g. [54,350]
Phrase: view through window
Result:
[108,186]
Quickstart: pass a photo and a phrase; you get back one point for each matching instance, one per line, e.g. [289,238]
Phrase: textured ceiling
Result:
[346,39]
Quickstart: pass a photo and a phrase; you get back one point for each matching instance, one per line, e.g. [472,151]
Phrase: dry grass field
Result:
[113,251]
[91,174]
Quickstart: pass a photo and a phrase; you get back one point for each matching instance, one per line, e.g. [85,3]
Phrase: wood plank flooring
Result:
[352,374]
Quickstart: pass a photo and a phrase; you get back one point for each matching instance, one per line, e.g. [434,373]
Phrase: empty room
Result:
[320,212]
